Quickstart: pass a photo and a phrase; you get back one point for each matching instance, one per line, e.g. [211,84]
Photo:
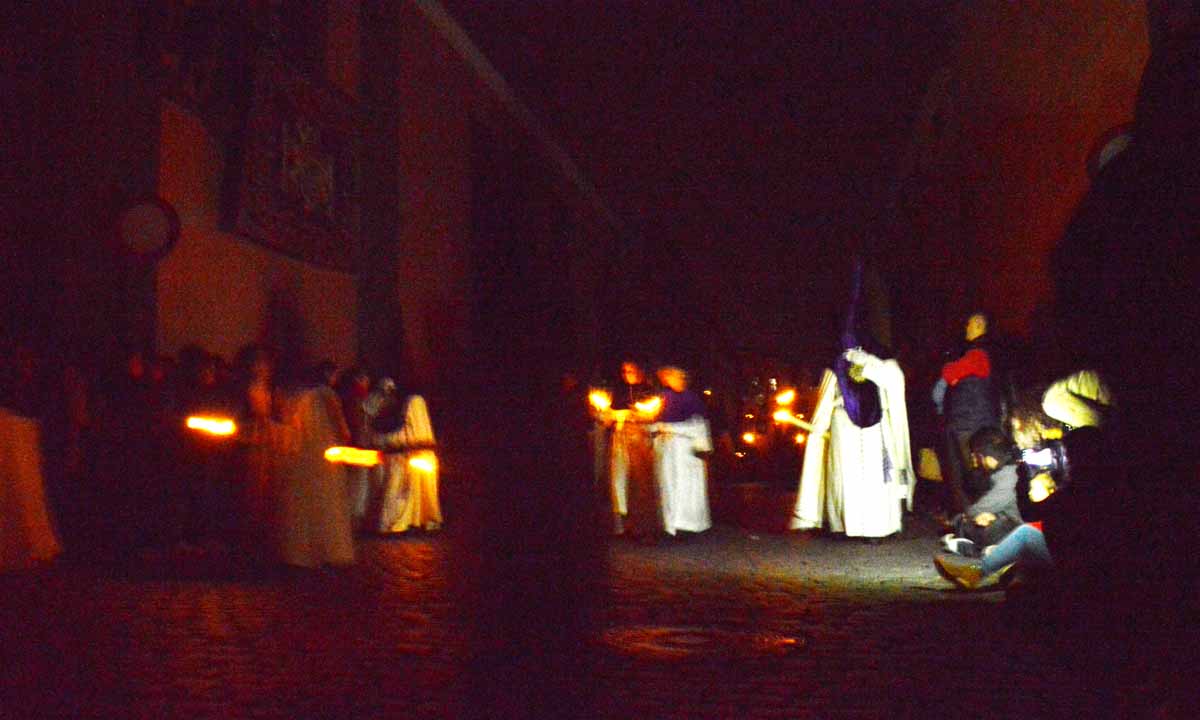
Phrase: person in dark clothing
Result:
[970,403]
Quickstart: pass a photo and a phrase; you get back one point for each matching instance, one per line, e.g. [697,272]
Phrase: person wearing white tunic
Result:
[679,435]
[314,510]
[410,473]
[629,469]
[854,479]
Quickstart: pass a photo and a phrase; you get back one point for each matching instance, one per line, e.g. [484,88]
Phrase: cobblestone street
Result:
[728,624]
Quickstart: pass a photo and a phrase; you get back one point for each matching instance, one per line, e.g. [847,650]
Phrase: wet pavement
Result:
[732,623]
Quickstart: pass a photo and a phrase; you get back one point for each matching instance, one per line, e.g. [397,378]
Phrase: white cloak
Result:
[410,479]
[855,480]
[682,475]
[314,509]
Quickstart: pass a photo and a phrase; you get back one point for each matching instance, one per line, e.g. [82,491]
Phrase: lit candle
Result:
[649,407]
[600,399]
[353,456]
[219,426]
[426,462]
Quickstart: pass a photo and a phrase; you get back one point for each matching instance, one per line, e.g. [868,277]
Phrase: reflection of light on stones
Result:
[682,643]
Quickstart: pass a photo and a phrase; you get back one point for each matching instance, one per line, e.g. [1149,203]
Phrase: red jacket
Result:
[974,363]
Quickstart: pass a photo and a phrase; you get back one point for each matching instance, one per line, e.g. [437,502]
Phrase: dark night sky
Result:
[754,140]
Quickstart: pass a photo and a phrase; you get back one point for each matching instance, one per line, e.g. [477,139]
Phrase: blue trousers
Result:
[1025,545]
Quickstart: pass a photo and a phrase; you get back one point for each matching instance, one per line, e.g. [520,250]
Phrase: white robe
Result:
[314,508]
[682,475]
[410,490]
[855,480]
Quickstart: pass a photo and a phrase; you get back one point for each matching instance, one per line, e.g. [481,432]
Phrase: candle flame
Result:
[600,400]
[650,406]
[787,397]
[426,462]
[353,456]
[219,426]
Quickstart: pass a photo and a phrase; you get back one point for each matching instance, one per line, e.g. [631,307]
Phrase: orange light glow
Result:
[219,426]
[749,416]
[787,397]
[707,393]
[600,400]
[426,462]
[353,456]
[801,438]
[649,407]
[749,438]
[783,415]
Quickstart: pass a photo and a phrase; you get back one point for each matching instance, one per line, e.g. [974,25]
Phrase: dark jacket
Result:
[971,399]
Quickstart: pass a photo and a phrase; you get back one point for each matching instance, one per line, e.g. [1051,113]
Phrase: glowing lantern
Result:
[353,456]
[787,397]
[219,426]
[749,438]
[425,462]
[600,400]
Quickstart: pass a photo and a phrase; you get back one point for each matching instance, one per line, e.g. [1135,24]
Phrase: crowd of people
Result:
[128,473]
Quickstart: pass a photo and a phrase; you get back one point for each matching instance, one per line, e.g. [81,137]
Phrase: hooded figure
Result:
[857,463]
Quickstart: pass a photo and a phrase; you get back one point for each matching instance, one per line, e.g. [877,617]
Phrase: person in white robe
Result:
[409,497]
[314,509]
[629,471]
[854,479]
[681,437]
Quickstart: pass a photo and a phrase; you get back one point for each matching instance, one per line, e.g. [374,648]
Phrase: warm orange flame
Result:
[426,462]
[649,407]
[353,456]
[801,438]
[782,415]
[749,438]
[787,397]
[600,400]
[219,426]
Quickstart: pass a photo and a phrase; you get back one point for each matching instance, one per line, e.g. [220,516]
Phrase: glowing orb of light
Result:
[649,407]
[801,438]
[219,426]
[787,397]
[353,456]
[749,438]
[426,462]
[600,400]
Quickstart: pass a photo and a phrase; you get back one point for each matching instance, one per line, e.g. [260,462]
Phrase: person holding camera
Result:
[996,512]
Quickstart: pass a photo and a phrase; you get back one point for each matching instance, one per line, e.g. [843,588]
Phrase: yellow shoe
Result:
[959,570]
